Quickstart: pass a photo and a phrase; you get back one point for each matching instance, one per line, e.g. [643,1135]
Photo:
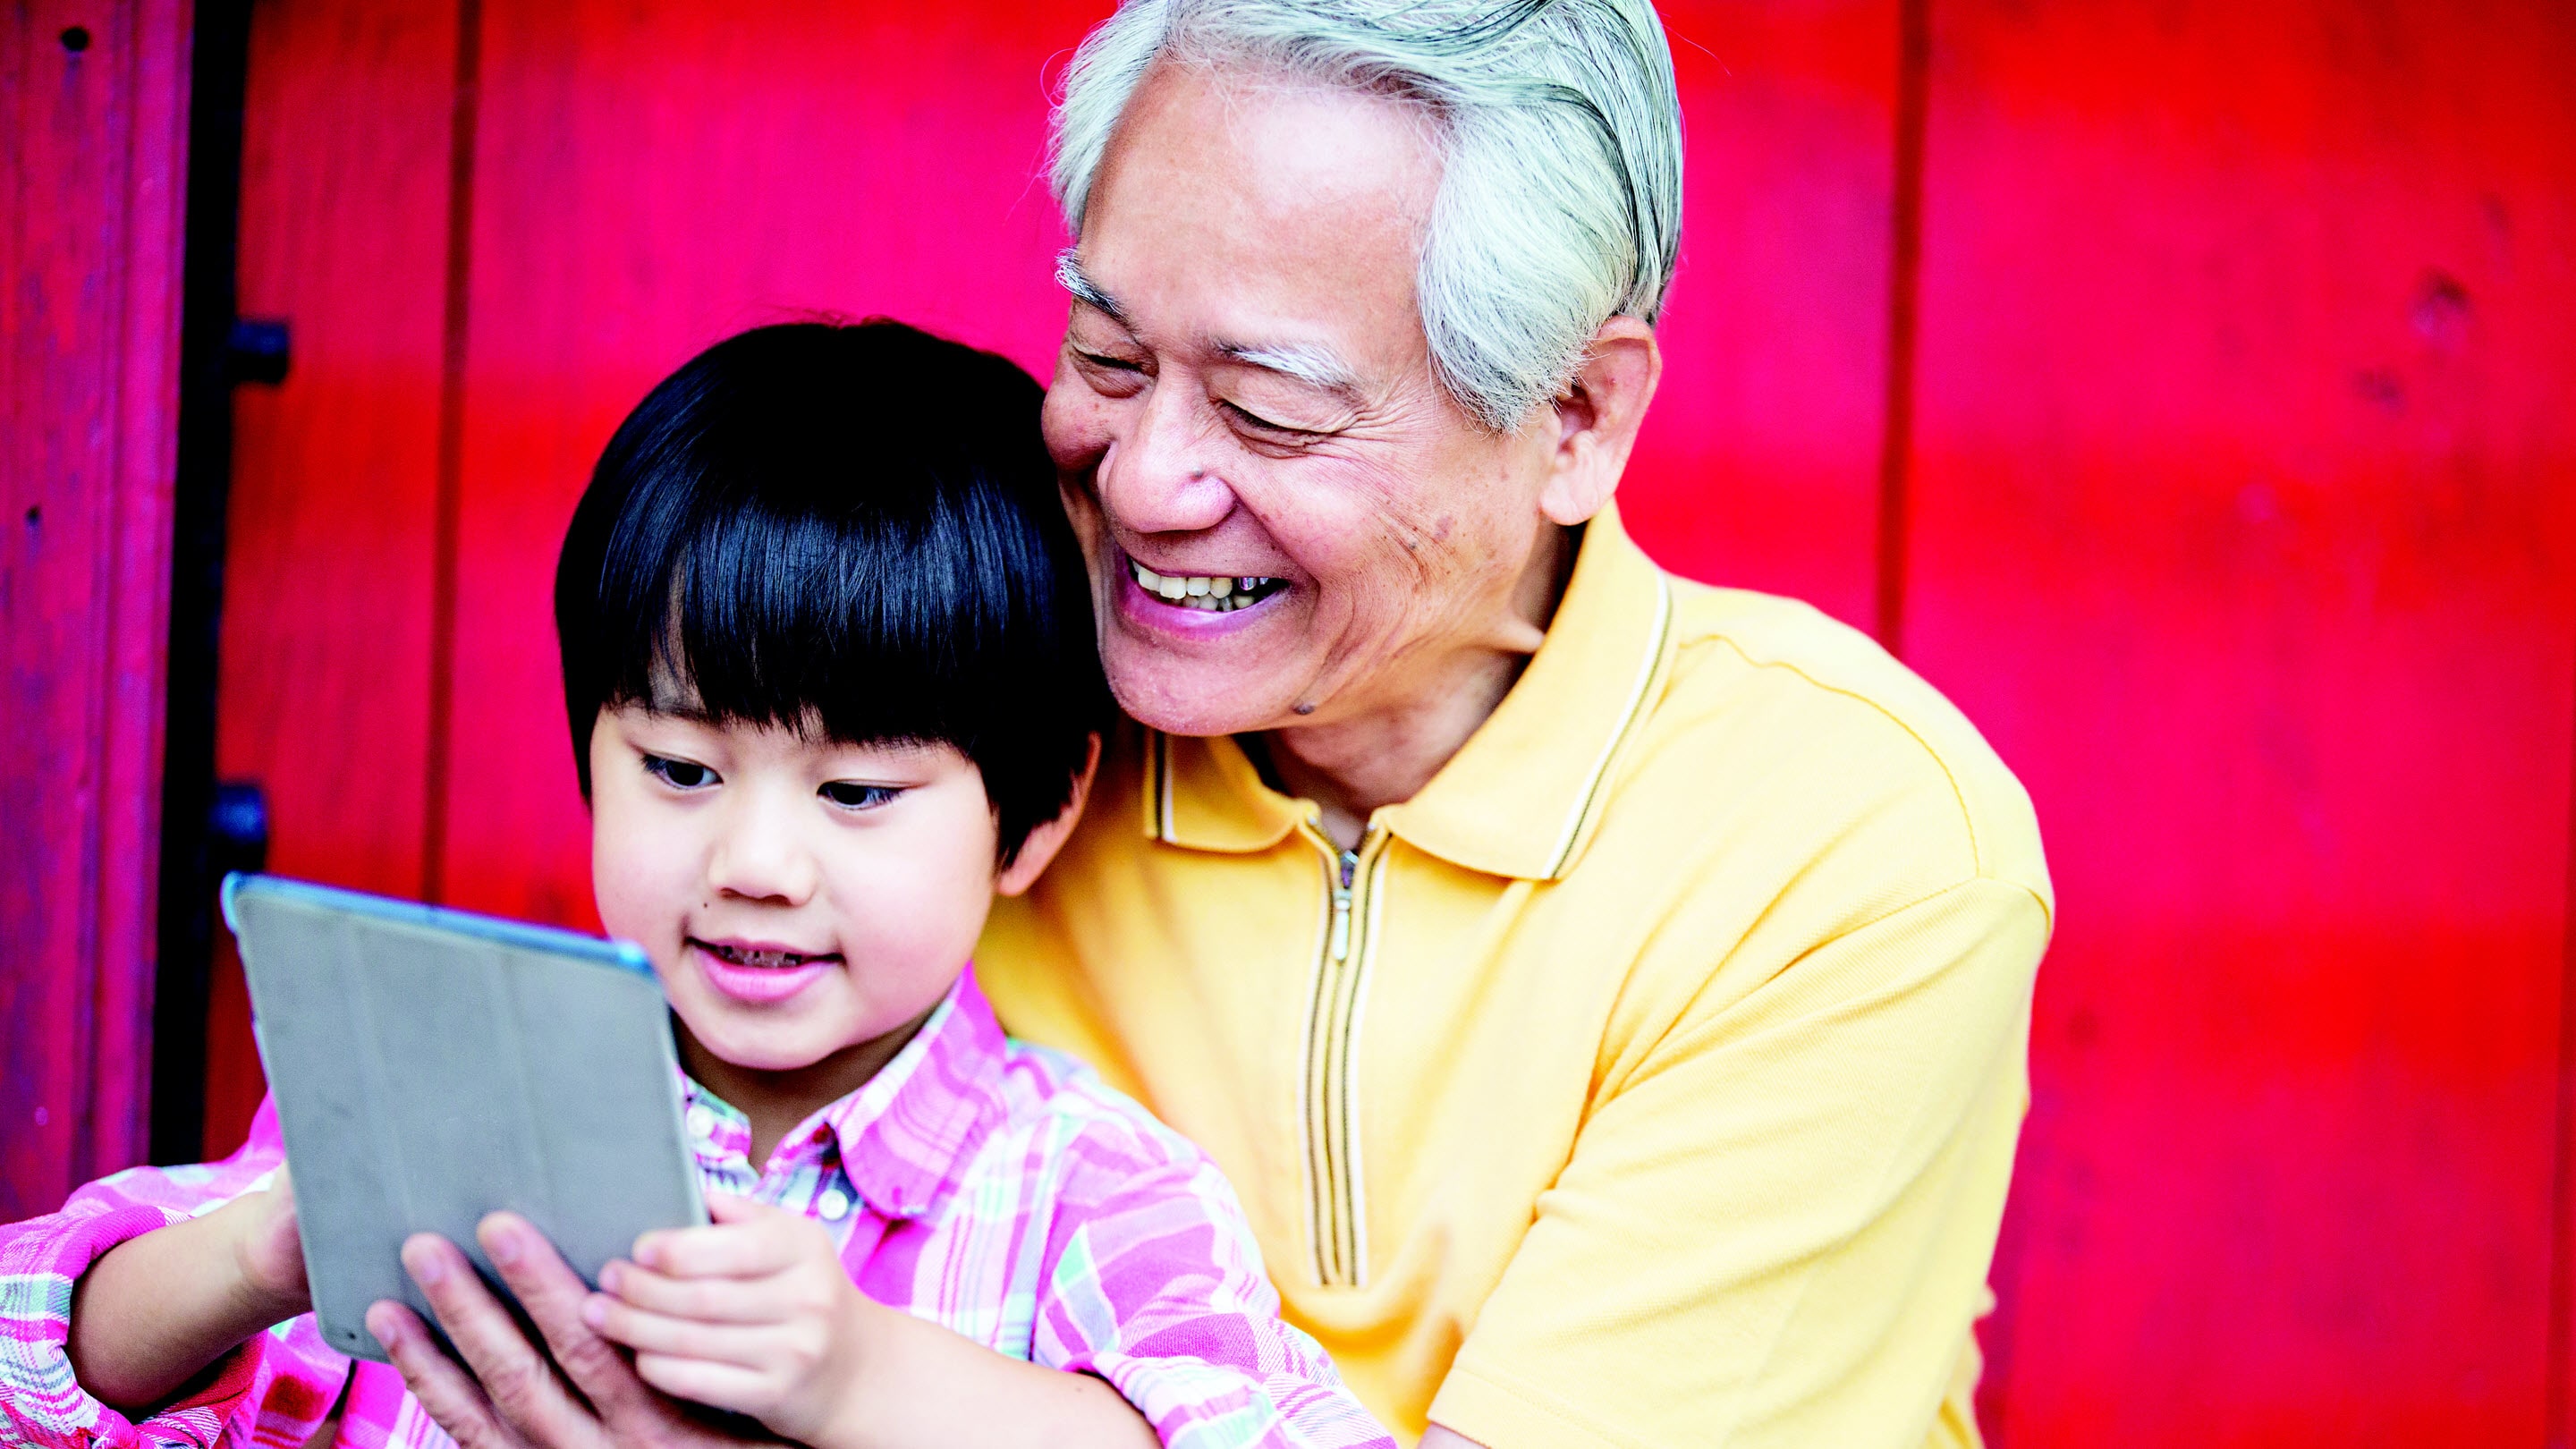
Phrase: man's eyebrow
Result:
[1070,276]
[1316,366]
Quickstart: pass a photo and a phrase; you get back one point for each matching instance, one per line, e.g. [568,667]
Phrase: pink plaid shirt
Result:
[994,1187]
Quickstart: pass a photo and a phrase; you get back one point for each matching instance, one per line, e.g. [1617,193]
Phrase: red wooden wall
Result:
[2244,521]
[2184,387]
[93,135]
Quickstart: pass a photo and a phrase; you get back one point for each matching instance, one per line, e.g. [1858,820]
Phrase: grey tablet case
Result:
[431,1066]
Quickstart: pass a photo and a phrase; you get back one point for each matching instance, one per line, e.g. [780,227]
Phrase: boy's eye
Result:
[679,774]
[851,795]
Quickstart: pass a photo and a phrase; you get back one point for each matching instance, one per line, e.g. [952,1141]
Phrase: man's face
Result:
[1247,395]
[797,896]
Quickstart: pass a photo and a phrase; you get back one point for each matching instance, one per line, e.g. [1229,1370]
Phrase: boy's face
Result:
[798,895]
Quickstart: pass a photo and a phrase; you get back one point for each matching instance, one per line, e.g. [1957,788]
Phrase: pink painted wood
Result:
[93,118]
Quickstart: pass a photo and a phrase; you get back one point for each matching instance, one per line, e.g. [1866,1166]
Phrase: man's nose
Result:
[1158,475]
[759,855]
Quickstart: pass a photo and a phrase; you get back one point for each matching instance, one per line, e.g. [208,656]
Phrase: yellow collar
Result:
[1524,794]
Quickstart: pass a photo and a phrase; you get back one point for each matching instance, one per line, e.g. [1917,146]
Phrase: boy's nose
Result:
[759,858]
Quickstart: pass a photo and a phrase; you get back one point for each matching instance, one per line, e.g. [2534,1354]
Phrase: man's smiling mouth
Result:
[1214,593]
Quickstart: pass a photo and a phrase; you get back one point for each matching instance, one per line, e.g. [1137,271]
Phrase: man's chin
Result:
[1195,700]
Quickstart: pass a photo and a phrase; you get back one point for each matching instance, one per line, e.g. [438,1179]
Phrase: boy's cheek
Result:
[624,912]
[621,913]
[632,880]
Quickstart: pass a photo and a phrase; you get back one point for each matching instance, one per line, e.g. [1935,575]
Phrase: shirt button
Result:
[834,1204]
[702,1123]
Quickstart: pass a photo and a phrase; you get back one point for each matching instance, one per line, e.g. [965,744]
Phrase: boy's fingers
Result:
[552,1294]
[444,1390]
[746,1345]
[515,1379]
[723,1385]
[709,1300]
[747,1249]
[726,1207]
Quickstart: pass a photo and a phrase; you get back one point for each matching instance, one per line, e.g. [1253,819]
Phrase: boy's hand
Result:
[565,1388]
[268,1251]
[754,1314]
[155,1310]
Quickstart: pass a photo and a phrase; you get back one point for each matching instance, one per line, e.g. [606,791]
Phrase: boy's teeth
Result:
[770,960]
[1215,593]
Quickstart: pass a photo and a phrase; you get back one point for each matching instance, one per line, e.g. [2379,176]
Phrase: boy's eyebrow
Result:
[1070,276]
[688,713]
[669,699]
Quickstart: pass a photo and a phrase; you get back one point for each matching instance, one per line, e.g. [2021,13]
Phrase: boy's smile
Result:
[760,974]
[806,901]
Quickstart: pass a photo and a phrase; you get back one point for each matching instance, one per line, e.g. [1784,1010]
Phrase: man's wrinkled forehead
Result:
[1273,226]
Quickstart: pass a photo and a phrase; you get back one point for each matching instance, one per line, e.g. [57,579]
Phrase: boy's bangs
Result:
[865,624]
[851,529]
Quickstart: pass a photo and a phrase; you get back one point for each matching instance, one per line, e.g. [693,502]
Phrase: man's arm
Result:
[1776,1224]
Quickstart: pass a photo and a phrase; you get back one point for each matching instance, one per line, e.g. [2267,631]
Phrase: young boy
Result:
[828,663]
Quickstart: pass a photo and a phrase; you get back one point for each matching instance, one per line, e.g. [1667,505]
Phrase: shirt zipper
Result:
[1332,1172]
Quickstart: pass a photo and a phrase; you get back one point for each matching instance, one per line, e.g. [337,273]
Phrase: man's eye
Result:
[679,774]
[1251,419]
[1114,364]
[850,795]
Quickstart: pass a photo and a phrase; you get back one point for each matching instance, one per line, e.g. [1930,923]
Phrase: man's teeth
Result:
[1215,593]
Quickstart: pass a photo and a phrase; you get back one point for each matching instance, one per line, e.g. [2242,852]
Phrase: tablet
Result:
[430,1066]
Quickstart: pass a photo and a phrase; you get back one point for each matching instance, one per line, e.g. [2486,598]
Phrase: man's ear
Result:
[1050,835]
[1597,419]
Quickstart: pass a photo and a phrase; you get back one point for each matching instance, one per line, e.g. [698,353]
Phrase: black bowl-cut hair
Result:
[849,528]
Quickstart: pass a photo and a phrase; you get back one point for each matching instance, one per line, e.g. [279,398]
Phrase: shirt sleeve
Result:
[264,1391]
[1775,1227]
[1155,1284]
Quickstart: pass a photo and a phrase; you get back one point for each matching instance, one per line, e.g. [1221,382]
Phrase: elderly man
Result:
[1609,994]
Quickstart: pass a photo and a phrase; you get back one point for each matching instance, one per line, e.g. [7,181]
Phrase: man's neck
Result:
[1351,767]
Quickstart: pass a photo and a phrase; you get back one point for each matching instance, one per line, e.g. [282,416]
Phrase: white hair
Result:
[1560,133]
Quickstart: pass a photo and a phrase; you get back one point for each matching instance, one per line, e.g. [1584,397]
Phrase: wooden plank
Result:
[2245,498]
[325,656]
[651,179]
[1759,464]
[648,180]
[95,104]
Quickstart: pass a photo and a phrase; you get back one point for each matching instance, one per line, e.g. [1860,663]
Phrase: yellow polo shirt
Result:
[1650,1078]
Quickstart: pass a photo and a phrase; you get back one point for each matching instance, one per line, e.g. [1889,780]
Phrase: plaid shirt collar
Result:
[902,1136]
